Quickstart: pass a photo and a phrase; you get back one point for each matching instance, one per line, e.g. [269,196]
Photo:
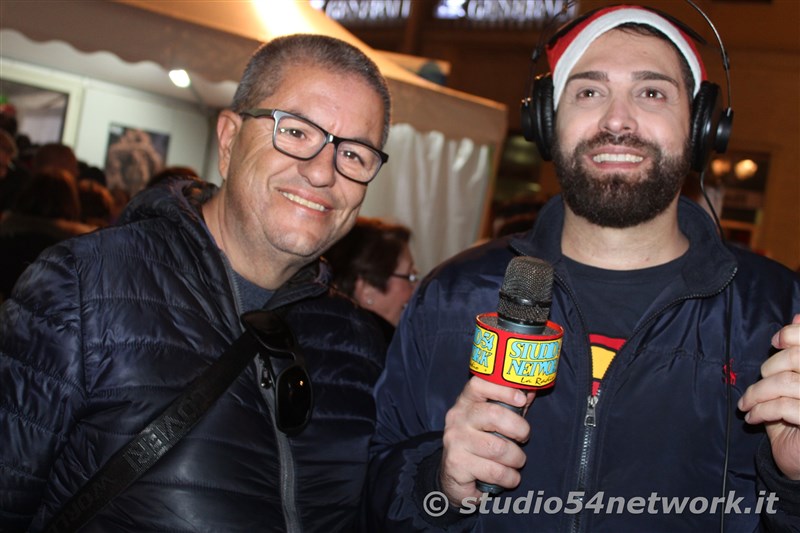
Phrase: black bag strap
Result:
[130,462]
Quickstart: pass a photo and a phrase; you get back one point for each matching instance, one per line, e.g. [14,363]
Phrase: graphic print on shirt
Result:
[603,351]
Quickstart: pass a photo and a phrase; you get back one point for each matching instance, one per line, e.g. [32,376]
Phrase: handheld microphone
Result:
[518,346]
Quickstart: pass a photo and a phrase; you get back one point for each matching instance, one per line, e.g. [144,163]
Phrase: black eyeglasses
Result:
[302,139]
[412,277]
[292,386]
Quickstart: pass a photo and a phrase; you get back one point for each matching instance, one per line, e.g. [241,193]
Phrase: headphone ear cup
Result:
[527,120]
[543,115]
[706,133]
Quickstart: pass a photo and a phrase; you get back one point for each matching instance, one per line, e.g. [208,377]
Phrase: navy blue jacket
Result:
[659,423]
[104,331]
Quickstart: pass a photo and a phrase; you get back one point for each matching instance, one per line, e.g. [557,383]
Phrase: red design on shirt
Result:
[604,349]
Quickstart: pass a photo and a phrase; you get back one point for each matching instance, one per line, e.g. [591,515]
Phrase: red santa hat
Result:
[564,54]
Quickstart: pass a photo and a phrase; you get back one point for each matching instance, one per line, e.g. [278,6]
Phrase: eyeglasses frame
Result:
[277,114]
[411,277]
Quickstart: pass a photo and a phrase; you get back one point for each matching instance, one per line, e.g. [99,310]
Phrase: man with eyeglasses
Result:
[102,333]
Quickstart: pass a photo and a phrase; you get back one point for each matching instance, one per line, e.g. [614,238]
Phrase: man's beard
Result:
[620,200]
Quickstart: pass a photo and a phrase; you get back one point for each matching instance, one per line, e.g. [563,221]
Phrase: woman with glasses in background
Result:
[373,265]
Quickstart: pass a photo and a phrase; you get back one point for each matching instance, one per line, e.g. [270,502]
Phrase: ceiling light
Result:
[180,77]
[745,169]
[720,166]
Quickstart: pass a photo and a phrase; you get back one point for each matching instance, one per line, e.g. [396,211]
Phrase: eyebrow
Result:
[359,140]
[650,75]
[594,75]
[639,75]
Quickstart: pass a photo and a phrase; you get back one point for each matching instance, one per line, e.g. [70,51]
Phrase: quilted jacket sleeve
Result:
[782,513]
[402,440]
[41,380]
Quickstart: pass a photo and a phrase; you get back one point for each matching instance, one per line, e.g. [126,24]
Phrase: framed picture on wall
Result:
[133,156]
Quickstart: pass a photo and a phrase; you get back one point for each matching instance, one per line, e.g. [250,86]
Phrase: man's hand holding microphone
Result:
[515,352]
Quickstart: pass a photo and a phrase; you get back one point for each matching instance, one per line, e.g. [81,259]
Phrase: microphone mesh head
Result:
[527,291]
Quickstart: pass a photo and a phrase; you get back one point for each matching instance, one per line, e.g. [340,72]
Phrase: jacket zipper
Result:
[285,457]
[589,423]
[590,418]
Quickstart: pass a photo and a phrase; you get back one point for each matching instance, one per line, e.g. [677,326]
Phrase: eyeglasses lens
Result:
[299,138]
[293,393]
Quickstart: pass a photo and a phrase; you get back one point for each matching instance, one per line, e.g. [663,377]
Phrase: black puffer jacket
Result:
[104,331]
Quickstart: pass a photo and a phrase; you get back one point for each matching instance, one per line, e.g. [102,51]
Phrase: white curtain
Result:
[434,185]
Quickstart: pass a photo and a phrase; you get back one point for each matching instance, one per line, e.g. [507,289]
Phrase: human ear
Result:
[228,125]
[364,293]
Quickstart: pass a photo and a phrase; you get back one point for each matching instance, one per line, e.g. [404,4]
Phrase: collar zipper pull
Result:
[591,402]
[266,380]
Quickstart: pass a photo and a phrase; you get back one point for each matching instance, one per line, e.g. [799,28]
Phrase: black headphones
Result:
[710,126]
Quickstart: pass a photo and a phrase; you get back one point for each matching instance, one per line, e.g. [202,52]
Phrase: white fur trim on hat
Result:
[609,21]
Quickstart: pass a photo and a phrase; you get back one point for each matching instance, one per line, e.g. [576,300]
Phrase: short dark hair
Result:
[50,193]
[178,172]
[369,251]
[266,68]
[55,155]
[97,204]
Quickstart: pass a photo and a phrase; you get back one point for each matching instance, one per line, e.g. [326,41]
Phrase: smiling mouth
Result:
[617,158]
[305,203]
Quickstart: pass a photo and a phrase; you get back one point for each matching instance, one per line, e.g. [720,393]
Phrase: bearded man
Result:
[666,328]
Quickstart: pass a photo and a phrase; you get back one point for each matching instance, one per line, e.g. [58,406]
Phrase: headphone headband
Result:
[710,126]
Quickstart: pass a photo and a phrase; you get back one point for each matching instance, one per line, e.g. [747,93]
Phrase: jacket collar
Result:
[180,201]
[708,268]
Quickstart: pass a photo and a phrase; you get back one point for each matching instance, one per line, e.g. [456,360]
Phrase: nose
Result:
[320,170]
[619,116]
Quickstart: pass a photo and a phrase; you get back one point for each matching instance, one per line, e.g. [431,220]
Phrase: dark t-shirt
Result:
[251,295]
[612,303]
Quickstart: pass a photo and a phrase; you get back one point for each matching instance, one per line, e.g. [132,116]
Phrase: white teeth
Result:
[617,158]
[304,202]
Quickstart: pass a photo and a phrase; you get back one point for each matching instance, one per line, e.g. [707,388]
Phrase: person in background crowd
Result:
[103,332]
[8,117]
[26,149]
[46,211]
[55,155]
[679,370]
[91,172]
[173,172]
[8,152]
[121,199]
[373,265]
[97,204]
[12,176]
